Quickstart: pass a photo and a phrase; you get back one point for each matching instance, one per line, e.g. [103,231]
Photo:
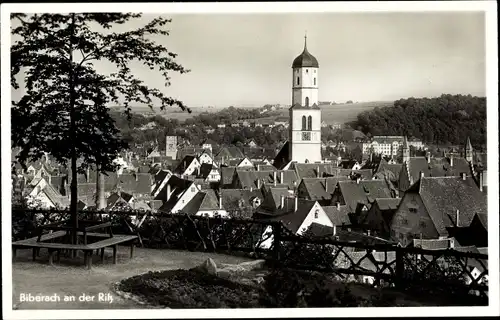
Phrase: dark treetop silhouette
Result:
[64,108]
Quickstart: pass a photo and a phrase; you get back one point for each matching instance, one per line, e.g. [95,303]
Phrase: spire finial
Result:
[305,40]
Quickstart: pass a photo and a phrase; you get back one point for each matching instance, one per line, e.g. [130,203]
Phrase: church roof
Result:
[298,106]
[305,59]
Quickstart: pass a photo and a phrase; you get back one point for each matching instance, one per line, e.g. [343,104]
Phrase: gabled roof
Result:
[202,201]
[205,170]
[184,164]
[443,196]
[365,192]
[321,188]
[283,156]
[294,219]
[272,200]
[55,197]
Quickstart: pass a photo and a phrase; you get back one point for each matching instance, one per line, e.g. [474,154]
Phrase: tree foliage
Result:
[448,119]
[64,108]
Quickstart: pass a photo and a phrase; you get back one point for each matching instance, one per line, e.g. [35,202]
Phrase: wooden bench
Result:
[88,249]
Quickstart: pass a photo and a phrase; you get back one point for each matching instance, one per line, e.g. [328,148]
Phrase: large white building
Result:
[305,115]
[388,145]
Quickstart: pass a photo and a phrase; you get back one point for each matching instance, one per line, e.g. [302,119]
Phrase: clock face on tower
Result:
[306,136]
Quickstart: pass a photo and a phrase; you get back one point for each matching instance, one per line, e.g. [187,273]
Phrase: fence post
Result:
[399,267]
[276,243]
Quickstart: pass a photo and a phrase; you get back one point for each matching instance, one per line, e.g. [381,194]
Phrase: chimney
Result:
[136,176]
[421,174]
[458,218]
[282,176]
[258,167]
[451,160]
[168,191]
[481,181]
[317,172]
[220,199]
[326,186]
[296,203]
[88,174]
[428,156]
[464,176]
[338,205]
[282,202]
[357,180]
[251,188]
[275,177]
[258,184]
[198,171]
[334,230]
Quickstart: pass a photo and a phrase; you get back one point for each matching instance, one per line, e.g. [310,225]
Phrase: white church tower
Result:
[305,115]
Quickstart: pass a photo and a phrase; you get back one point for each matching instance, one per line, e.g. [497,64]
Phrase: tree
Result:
[64,108]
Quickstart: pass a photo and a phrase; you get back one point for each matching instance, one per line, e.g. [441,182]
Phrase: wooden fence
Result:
[375,263]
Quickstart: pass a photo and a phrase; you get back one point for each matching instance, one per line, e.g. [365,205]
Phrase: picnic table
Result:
[61,230]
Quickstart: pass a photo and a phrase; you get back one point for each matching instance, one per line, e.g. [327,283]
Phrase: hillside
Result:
[338,113]
[448,119]
[341,113]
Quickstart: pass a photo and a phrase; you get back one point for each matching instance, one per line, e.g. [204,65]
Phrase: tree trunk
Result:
[100,197]
[73,188]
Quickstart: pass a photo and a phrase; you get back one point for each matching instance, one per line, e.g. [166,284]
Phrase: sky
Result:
[245,59]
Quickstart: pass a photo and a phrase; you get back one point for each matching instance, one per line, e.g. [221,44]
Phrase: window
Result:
[307,70]
[314,81]
[309,119]
[413,210]
[306,136]
[304,123]
[316,214]
[307,101]
[298,81]
[192,189]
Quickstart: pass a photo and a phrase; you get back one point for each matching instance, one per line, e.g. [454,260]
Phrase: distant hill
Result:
[448,119]
[342,112]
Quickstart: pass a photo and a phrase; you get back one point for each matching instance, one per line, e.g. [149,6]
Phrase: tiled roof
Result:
[388,203]
[227,174]
[443,196]
[366,191]
[184,164]
[392,171]
[338,216]
[321,188]
[294,219]
[283,156]
[437,167]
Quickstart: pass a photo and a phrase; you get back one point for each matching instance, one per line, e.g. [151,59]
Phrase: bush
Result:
[190,289]
[290,288]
